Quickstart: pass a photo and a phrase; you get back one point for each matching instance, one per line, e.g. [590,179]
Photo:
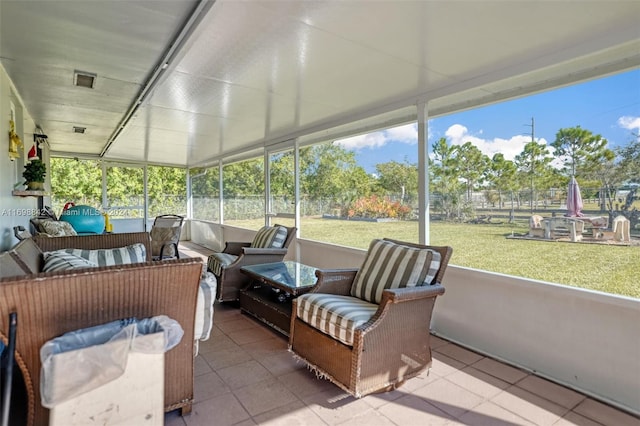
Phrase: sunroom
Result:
[224,91]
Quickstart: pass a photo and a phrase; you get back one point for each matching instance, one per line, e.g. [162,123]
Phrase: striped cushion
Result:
[62,261]
[434,266]
[204,310]
[270,237]
[389,265]
[337,316]
[216,262]
[135,253]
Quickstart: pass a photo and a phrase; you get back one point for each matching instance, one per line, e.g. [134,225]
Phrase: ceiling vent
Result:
[84,79]
[77,129]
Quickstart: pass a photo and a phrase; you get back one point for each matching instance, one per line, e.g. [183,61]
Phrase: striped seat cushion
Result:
[335,315]
[270,237]
[216,262]
[135,253]
[390,265]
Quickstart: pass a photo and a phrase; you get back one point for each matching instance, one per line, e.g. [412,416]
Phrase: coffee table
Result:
[273,285]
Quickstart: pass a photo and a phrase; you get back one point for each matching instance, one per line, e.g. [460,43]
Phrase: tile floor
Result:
[245,376]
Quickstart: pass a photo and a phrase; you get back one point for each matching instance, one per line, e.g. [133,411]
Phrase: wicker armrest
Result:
[334,281]
[397,295]
[391,311]
[235,247]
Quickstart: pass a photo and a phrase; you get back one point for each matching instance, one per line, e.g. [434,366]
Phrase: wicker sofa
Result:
[52,303]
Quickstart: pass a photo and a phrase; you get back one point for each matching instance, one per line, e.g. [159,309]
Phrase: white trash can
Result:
[112,374]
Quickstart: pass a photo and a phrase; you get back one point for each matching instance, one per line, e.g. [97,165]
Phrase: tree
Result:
[579,149]
[282,174]
[205,190]
[445,180]
[401,178]
[78,181]
[629,164]
[244,178]
[534,162]
[167,190]
[587,155]
[502,176]
[624,167]
[329,171]
[205,182]
[472,165]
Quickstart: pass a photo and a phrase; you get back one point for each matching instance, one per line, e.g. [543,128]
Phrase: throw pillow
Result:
[270,237]
[62,261]
[135,253]
[57,228]
[389,265]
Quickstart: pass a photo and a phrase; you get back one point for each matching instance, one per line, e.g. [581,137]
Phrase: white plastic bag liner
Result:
[172,334]
[86,359]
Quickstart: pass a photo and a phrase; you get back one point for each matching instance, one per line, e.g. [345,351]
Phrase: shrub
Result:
[378,207]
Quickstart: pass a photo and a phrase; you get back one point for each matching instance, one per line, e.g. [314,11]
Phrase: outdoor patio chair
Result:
[367,329]
[165,236]
[270,244]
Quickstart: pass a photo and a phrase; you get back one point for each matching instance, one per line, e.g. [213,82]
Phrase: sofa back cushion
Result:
[63,261]
[29,254]
[10,267]
[270,237]
[134,253]
[390,265]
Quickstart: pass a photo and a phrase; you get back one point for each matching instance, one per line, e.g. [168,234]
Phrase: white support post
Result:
[145,190]
[220,194]
[423,175]
[267,189]
[103,166]
[296,196]
[189,196]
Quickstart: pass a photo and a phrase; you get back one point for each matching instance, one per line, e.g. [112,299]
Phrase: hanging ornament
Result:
[33,153]
[14,142]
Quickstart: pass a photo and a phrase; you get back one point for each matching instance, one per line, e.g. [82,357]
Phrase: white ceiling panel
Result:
[243,74]
[44,42]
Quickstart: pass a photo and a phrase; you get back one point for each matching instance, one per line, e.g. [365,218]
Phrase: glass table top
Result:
[286,274]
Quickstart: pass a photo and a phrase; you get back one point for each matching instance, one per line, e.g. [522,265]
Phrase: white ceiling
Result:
[242,74]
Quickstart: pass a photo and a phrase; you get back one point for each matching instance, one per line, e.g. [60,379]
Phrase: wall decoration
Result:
[14,142]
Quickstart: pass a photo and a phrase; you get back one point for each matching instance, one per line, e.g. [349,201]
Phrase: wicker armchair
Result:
[226,264]
[361,345]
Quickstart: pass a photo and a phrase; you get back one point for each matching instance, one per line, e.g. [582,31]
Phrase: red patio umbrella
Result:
[574,199]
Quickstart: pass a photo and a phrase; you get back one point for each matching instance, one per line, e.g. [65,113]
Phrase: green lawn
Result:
[607,268]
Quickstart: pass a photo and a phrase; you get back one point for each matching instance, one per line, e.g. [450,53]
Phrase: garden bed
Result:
[360,219]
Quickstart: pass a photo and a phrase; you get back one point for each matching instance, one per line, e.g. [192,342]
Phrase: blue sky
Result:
[608,106]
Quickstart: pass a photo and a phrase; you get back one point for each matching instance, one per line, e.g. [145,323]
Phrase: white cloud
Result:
[404,134]
[629,123]
[407,133]
[456,134]
[370,140]
[459,135]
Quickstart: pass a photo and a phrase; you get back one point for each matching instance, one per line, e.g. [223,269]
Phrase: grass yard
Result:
[607,268]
